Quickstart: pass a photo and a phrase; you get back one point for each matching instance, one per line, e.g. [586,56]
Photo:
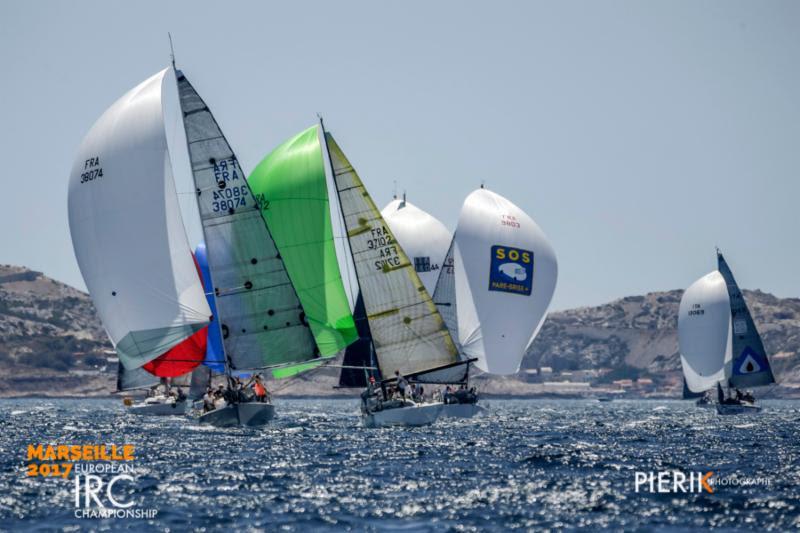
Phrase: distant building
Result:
[546,370]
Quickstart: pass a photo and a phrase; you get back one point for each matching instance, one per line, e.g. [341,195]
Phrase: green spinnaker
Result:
[291,187]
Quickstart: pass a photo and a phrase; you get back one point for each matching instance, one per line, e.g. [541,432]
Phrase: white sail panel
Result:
[407,331]
[127,231]
[505,276]
[444,295]
[704,332]
[262,321]
[422,237]
[341,244]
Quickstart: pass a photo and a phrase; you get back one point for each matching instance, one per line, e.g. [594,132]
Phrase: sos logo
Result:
[511,270]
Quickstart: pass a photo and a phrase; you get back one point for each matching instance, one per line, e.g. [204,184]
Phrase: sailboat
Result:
[497,281]
[719,344]
[131,245]
[400,332]
[428,242]
[423,237]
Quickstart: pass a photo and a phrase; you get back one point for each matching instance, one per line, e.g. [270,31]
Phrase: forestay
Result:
[750,365]
[127,231]
[407,331]
[704,338]
[505,277]
[262,321]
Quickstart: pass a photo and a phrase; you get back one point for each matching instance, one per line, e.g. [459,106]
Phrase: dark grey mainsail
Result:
[750,364]
[261,318]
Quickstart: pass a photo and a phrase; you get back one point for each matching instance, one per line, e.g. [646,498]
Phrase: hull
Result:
[462,410]
[737,408]
[409,416]
[251,414]
[158,409]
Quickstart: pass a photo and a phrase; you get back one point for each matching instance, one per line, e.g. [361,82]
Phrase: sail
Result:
[127,231]
[214,355]
[358,355]
[291,186]
[750,366]
[421,236]
[408,333]
[505,277]
[262,321]
[688,395]
[704,338]
[138,378]
[444,296]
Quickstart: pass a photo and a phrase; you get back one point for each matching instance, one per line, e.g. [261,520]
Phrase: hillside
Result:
[52,343]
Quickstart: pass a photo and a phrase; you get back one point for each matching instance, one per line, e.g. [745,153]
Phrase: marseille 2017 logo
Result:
[511,270]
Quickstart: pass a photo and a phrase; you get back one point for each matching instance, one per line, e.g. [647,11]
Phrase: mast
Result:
[215,319]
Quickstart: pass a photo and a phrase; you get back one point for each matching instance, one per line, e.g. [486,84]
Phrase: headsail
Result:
[444,296]
[127,231]
[408,333]
[292,189]
[262,321]
[422,237]
[750,366]
[505,277]
[704,336]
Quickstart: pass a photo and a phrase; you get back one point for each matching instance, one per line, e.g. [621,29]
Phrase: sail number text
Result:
[696,309]
[380,239]
[229,195]
[91,170]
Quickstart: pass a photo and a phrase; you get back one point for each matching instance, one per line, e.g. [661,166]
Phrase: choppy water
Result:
[529,464]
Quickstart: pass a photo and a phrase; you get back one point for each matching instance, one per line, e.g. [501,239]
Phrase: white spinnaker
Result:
[495,325]
[127,231]
[704,332]
[422,236]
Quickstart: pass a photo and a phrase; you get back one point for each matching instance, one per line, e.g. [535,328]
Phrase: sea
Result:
[525,465]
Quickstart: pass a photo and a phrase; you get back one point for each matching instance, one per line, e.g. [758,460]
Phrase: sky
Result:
[639,135]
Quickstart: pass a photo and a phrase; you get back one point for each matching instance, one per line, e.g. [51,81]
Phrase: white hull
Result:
[411,415]
[251,414]
[737,409]
[158,409]
[462,410]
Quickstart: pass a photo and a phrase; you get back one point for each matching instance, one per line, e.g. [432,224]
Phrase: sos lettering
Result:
[512,254]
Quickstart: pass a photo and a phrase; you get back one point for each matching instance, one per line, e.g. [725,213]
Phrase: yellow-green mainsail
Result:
[291,187]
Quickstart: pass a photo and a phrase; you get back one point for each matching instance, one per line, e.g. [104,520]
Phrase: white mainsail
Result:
[422,236]
[704,332]
[505,276]
[408,333]
[127,231]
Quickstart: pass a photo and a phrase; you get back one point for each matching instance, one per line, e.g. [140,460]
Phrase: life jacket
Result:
[259,388]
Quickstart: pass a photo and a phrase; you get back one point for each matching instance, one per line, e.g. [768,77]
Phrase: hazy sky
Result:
[637,134]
